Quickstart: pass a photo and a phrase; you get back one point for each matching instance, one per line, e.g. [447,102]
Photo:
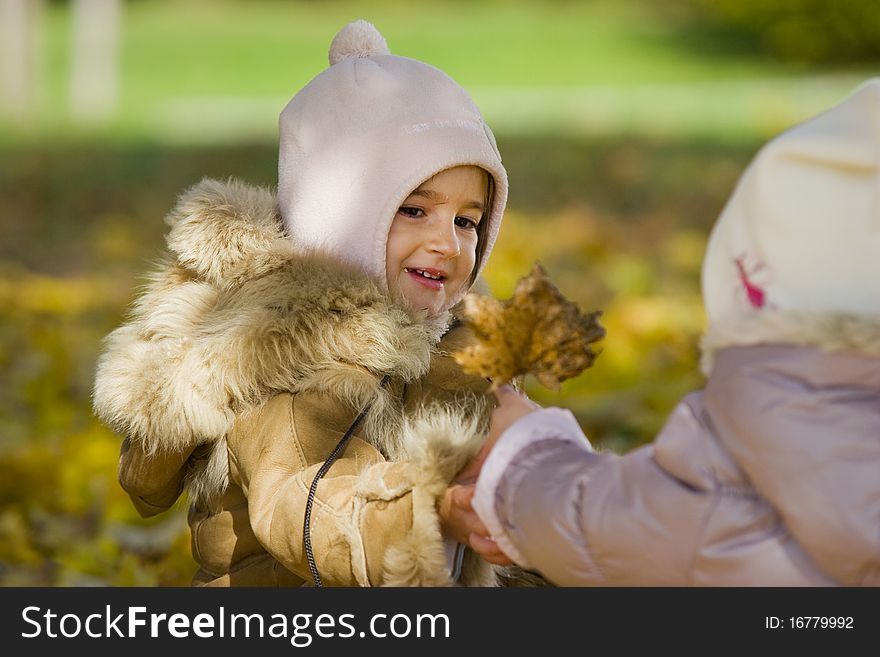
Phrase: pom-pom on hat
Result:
[357,40]
[362,135]
[801,231]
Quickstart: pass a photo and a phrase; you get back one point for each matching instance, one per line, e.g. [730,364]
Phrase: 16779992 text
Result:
[809,623]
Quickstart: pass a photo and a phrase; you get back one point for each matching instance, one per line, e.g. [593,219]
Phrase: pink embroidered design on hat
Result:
[754,293]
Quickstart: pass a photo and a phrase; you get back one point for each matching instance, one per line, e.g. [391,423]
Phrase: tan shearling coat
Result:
[238,371]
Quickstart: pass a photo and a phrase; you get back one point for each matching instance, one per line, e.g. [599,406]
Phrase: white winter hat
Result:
[362,135]
[801,231]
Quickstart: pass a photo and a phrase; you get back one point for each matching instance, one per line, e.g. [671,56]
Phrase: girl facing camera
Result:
[290,366]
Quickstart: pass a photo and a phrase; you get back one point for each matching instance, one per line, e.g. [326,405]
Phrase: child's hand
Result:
[459,521]
[511,407]
[457,517]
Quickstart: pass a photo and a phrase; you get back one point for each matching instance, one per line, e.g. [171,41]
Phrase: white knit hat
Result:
[801,231]
[362,135]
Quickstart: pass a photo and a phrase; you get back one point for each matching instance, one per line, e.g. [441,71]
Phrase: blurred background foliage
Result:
[623,124]
[811,32]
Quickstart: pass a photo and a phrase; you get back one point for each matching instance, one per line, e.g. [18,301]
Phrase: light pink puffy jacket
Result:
[770,476]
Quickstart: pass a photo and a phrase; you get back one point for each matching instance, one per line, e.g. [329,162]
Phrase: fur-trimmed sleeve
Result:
[373,522]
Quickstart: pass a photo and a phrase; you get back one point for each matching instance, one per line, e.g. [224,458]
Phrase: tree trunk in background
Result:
[19,56]
[94,59]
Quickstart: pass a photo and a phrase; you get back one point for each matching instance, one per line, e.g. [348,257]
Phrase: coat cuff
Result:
[545,424]
[443,442]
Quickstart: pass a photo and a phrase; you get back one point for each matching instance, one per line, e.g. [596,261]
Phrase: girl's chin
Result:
[433,305]
[420,299]
[431,310]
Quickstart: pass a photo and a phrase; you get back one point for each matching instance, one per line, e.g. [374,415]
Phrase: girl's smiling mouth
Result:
[430,278]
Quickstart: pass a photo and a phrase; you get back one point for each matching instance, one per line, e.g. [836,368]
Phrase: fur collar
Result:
[826,331]
[234,316]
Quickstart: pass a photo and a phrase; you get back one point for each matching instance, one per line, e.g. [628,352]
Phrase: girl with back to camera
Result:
[770,475]
[290,366]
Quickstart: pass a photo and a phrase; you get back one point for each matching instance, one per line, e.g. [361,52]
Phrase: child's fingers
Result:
[470,472]
[489,550]
[462,496]
[482,544]
[511,399]
[467,517]
[503,392]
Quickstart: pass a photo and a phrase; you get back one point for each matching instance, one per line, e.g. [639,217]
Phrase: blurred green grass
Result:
[221,70]
[621,137]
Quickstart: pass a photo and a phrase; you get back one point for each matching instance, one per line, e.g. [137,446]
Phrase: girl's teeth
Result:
[423,273]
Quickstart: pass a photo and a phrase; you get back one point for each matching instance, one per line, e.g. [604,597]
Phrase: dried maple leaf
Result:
[537,331]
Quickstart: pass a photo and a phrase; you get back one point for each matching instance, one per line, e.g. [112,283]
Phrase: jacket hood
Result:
[234,317]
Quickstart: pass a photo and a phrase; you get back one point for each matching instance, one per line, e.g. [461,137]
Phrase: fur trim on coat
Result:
[439,442]
[235,319]
[829,332]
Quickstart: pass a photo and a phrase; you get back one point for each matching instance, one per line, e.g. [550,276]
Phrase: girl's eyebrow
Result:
[431,195]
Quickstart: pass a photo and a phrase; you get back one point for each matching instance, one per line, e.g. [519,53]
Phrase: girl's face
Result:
[432,243]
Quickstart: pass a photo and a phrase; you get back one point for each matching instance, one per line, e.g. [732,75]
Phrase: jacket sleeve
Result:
[583,518]
[813,452]
[373,522]
[152,481]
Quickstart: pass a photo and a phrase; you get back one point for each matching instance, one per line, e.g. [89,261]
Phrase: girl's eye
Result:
[466,222]
[410,211]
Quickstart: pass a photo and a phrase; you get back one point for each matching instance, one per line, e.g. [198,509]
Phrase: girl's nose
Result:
[444,239]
